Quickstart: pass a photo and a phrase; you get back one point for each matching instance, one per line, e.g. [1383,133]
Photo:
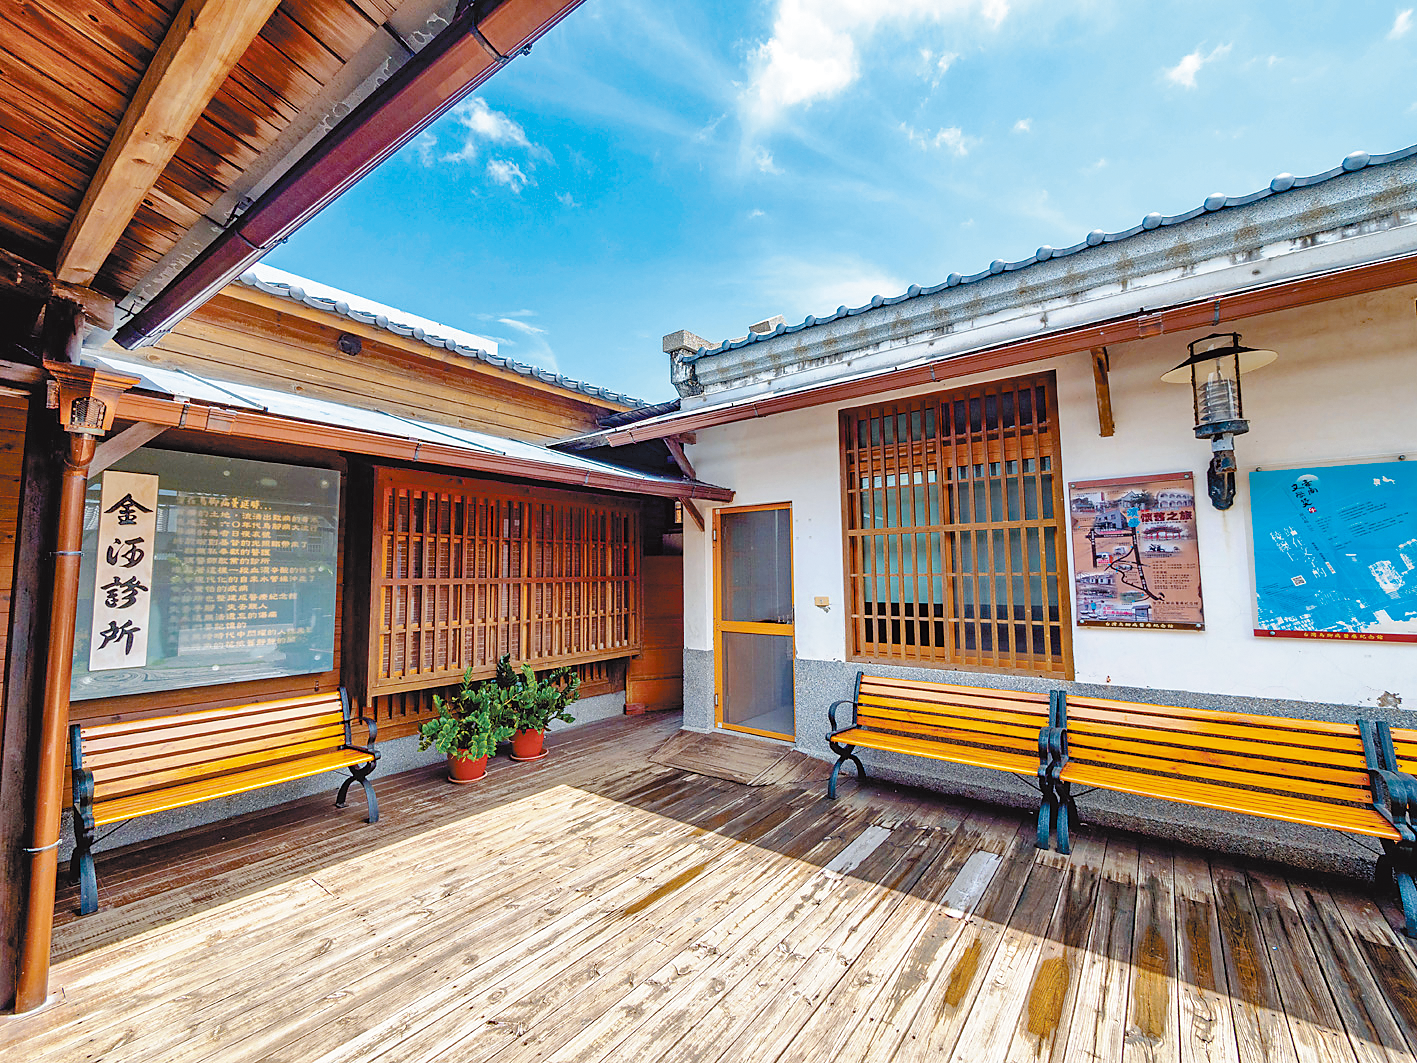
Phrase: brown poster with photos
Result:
[1135,562]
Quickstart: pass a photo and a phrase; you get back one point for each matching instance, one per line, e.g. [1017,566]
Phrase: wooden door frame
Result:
[716,544]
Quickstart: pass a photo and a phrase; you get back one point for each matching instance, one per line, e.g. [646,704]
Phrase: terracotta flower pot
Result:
[527,745]
[466,769]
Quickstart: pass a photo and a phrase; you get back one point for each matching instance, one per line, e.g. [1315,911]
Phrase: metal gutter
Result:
[250,424]
[1142,325]
[481,38]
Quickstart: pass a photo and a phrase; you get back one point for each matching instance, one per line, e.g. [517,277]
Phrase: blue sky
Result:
[653,166]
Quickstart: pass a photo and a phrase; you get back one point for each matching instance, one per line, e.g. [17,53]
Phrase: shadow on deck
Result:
[597,906]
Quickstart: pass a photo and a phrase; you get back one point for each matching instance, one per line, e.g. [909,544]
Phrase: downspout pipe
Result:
[482,37]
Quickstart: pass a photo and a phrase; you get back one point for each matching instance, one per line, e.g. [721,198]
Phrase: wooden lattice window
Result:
[465,571]
[955,530]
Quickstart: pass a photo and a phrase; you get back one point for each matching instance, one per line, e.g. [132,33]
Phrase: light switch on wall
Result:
[821,601]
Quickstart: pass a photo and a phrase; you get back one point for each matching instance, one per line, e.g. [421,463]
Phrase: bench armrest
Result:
[831,715]
[1394,793]
[372,724]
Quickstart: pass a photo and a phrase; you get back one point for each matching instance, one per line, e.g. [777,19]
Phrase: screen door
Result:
[754,645]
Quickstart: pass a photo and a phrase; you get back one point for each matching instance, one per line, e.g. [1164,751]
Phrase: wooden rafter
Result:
[676,451]
[206,40]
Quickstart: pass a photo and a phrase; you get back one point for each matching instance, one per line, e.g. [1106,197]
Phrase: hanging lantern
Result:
[1213,371]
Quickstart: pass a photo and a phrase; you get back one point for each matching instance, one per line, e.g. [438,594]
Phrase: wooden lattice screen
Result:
[955,530]
[465,571]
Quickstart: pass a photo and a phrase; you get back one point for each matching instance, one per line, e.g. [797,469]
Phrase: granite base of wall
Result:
[698,690]
[819,683]
[399,754]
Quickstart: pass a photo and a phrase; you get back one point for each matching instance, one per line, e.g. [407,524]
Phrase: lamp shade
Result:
[1220,345]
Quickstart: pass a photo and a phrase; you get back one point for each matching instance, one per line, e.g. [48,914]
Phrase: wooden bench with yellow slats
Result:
[1319,773]
[1006,730]
[138,767]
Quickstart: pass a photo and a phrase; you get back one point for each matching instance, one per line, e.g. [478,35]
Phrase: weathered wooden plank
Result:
[1308,1004]
[557,998]
[859,1006]
[1153,1013]
[1206,1030]
[1045,1017]
[1099,1021]
[713,999]
[948,968]
[412,924]
[1261,1034]
[1367,1016]
[1390,961]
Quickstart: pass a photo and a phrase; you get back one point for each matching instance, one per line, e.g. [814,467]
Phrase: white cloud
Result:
[936,66]
[1100,164]
[480,122]
[762,159]
[755,213]
[1023,125]
[812,53]
[1400,25]
[796,287]
[952,139]
[1184,73]
[567,200]
[424,145]
[531,341]
[506,172]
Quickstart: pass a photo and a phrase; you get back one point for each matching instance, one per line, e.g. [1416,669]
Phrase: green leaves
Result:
[471,722]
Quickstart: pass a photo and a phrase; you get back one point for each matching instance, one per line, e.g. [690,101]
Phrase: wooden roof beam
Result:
[22,279]
[206,40]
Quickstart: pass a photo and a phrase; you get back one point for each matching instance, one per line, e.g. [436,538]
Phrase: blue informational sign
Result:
[1336,551]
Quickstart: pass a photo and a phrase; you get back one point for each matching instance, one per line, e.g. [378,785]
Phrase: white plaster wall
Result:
[1345,387]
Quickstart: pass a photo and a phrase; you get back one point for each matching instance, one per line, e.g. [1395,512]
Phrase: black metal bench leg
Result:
[88,882]
[362,778]
[1067,812]
[845,755]
[81,865]
[1046,802]
[1397,866]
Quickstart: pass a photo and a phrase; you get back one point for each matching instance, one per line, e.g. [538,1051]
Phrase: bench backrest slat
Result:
[1405,743]
[1325,746]
[135,733]
[974,716]
[1277,754]
[165,744]
[133,756]
[179,774]
[990,734]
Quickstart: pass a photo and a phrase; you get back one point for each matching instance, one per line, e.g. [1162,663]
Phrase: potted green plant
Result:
[533,703]
[468,727]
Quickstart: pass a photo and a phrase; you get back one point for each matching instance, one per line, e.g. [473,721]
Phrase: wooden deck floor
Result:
[596,906]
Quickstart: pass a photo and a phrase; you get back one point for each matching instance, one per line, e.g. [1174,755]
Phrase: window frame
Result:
[945,656]
[389,479]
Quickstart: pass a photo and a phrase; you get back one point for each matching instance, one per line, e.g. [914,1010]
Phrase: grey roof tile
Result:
[1217,201]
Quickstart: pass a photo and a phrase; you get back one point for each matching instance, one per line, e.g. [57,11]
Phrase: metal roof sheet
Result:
[332,300]
[184,384]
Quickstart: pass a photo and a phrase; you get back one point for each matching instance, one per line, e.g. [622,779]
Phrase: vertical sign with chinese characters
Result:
[122,598]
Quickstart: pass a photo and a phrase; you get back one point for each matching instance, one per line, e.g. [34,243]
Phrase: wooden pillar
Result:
[28,629]
[87,400]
